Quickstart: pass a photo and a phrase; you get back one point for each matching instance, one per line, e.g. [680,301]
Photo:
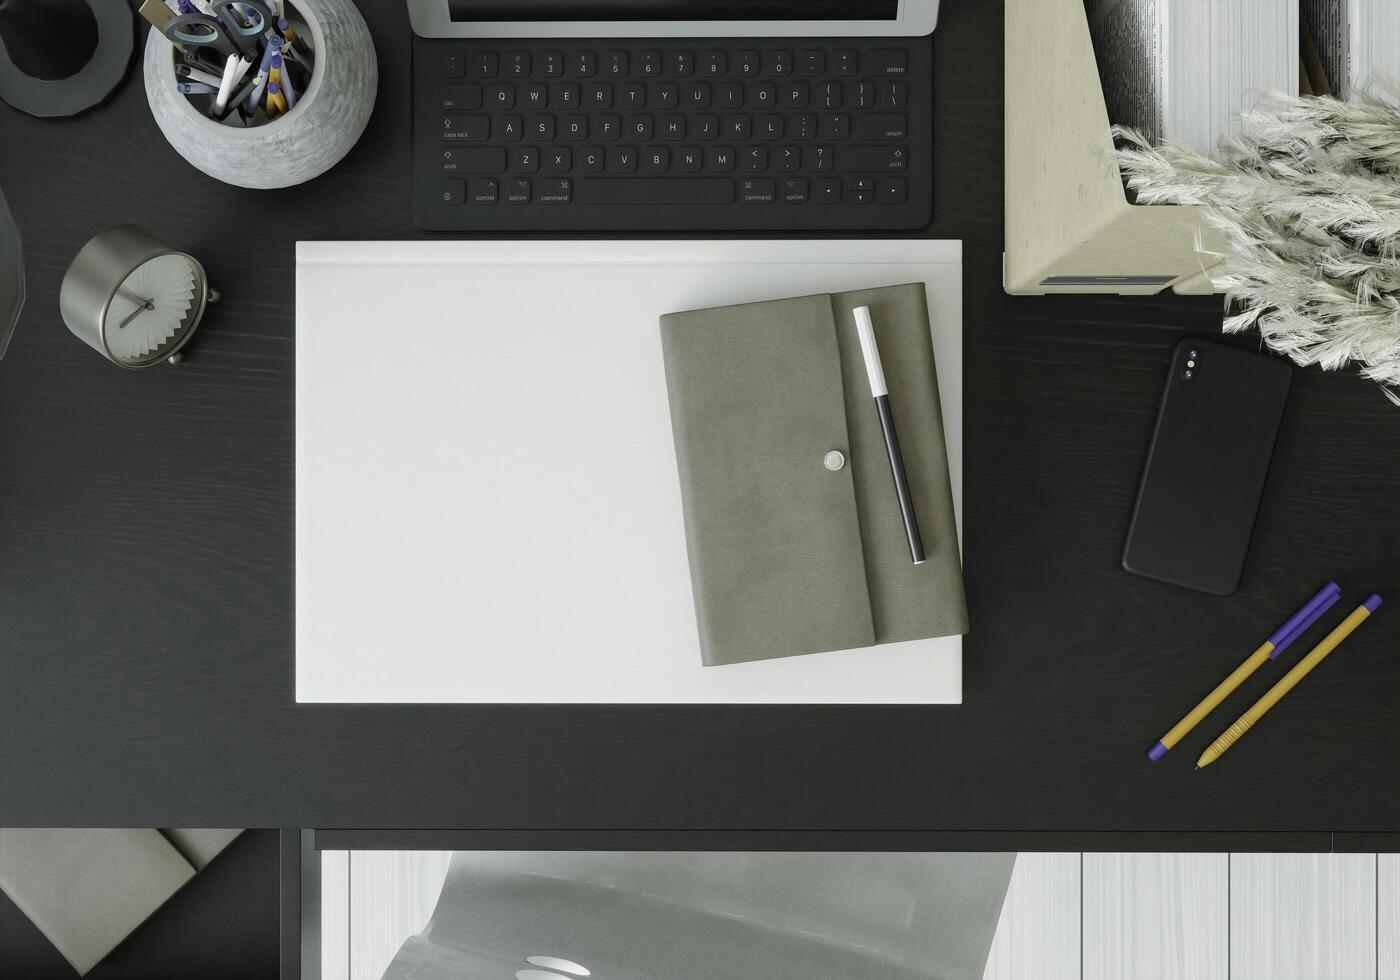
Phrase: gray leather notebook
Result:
[788,555]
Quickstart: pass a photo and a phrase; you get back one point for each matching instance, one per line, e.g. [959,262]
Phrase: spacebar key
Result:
[654,190]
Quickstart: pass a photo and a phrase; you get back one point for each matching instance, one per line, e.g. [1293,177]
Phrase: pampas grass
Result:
[1307,199]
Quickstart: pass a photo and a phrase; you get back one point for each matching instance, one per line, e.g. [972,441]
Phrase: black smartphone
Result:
[1216,428]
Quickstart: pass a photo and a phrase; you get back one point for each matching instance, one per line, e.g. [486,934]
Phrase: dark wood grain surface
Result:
[146,562]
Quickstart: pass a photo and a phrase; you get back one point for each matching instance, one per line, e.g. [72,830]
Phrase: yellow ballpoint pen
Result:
[1300,670]
[1268,650]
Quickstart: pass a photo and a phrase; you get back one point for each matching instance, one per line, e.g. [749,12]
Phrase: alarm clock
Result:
[133,298]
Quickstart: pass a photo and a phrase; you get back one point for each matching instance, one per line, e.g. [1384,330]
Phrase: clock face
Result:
[152,309]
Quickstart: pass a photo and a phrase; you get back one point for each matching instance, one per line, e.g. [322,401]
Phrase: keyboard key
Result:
[454,65]
[874,158]
[697,95]
[615,64]
[819,158]
[827,190]
[517,64]
[558,160]
[473,159]
[859,184]
[663,95]
[720,159]
[878,126]
[860,197]
[755,159]
[778,64]
[803,126]
[554,191]
[461,96]
[738,127]
[680,63]
[517,191]
[575,128]
[763,95]
[483,190]
[607,127]
[829,95]
[795,190]
[729,95]
[836,126]
[812,63]
[622,159]
[689,160]
[860,95]
[452,192]
[796,95]
[892,190]
[591,160]
[599,96]
[844,63]
[508,128]
[565,95]
[540,128]
[894,95]
[656,191]
[746,63]
[639,127]
[534,96]
[633,96]
[705,127]
[551,64]
[583,64]
[770,127]
[483,64]
[759,190]
[787,159]
[885,63]
[500,97]
[465,129]
[656,160]
[672,128]
[524,160]
[712,63]
[649,64]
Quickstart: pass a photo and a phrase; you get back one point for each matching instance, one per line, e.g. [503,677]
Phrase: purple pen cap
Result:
[1372,602]
[1300,621]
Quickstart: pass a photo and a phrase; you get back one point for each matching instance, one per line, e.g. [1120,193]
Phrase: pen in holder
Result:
[260,93]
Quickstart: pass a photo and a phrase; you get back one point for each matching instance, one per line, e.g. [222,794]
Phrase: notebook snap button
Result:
[834,460]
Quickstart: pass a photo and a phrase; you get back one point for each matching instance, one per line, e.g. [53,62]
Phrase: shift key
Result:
[881,126]
[874,159]
[473,159]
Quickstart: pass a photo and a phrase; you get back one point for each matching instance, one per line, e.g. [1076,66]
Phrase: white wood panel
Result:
[392,897]
[335,915]
[1038,933]
[1388,916]
[1156,916]
[1303,916]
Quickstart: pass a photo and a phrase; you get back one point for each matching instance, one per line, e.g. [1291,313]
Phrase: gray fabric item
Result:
[786,556]
[199,845]
[86,889]
[699,916]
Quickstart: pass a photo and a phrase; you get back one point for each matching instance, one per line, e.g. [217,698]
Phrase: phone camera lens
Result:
[1193,355]
[1187,374]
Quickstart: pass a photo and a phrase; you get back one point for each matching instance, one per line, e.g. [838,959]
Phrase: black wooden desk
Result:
[146,563]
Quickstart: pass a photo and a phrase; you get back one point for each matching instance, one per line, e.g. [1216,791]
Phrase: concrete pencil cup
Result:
[293,147]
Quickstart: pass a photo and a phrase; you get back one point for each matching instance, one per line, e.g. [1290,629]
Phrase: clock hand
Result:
[145,305]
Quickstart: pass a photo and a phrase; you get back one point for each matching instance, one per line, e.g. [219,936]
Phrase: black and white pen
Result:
[881,392]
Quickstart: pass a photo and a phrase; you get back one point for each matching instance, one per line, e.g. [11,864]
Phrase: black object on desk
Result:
[672,134]
[1205,471]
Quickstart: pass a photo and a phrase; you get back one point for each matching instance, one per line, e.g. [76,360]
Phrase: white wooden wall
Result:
[1067,916]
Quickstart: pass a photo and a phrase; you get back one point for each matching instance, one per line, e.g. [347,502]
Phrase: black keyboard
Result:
[646,134]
